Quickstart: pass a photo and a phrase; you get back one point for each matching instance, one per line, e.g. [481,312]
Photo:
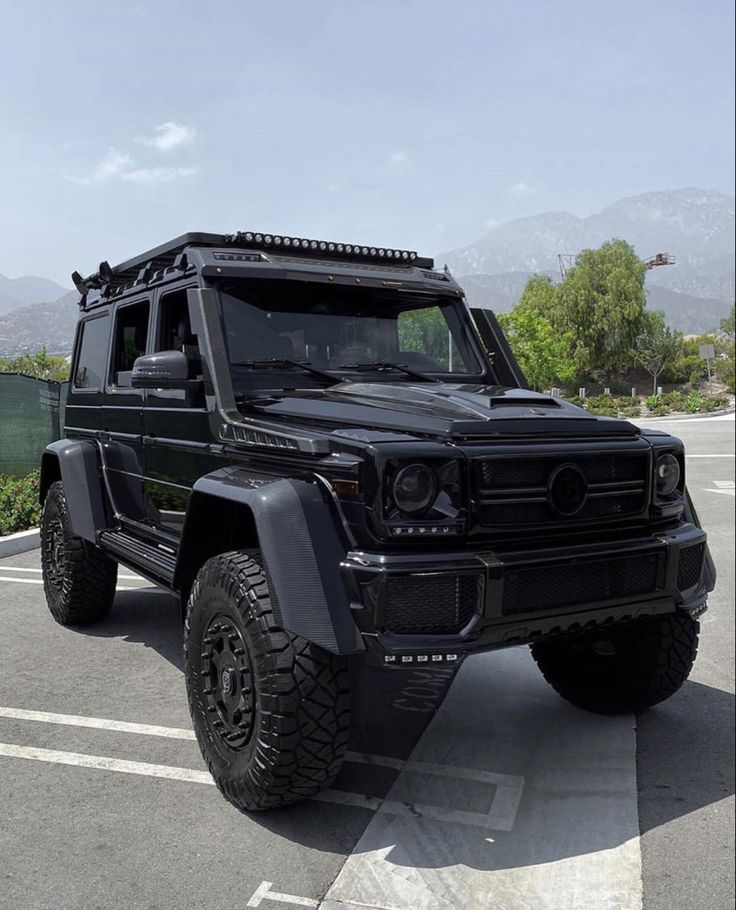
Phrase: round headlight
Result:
[668,474]
[415,488]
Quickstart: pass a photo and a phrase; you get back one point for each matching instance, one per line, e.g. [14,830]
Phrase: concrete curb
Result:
[697,416]
[20,542]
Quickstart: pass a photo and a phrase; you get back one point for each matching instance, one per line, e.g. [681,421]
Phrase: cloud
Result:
[149,175]
[171,135]
[520,189]
[114,164]
[117,165]
[398,158]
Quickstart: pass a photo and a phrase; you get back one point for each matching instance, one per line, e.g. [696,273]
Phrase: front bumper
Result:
[435,608]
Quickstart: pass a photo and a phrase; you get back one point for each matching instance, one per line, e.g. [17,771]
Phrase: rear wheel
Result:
[621,669]
[78,578]
[270,710]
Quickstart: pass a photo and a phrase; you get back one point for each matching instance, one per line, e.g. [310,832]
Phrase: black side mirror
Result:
[164,370]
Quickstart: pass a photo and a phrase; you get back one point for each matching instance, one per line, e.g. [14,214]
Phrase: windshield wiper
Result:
[284,363]
[383,365]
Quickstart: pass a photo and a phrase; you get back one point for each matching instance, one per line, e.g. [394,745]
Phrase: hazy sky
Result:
[412,124]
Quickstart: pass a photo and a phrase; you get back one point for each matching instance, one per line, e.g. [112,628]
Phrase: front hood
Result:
[436,409]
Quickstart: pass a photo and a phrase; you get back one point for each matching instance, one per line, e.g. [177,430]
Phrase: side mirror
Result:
[164,370]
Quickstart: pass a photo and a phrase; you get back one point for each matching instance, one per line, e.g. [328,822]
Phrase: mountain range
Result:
[695,226]
[18,292]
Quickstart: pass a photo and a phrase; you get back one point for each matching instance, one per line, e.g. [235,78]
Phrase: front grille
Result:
[430,604]
[689,566]
[559,586]
[513,490]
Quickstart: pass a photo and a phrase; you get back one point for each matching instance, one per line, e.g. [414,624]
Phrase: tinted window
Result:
[92,353]
[175,331]
[131,332]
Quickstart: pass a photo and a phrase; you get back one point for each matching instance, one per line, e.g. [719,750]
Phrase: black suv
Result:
[324,453]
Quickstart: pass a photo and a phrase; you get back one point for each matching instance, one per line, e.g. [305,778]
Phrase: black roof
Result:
[173,255]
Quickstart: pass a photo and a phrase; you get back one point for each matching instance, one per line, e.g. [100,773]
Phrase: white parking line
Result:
[575,839]
[714,455]
[96,723]
[264,892]
[40,571]
[39,581]
[104,763]
[500,816]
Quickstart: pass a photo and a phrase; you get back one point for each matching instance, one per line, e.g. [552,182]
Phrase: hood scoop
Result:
[456,401]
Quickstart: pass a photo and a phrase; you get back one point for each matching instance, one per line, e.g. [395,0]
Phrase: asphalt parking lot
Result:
[472,791]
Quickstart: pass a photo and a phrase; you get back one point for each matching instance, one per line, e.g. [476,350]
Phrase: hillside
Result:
[29,328]
[18,292]
[696,226]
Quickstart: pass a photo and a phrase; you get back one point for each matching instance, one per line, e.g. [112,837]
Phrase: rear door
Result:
[121,416]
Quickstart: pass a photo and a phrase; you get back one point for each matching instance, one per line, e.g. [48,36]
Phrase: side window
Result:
[92,354]
[175,331]
[131,332]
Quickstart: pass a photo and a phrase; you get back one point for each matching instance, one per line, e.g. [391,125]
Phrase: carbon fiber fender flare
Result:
[75,462]
[301,551]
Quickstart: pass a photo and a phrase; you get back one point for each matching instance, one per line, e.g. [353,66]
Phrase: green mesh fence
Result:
[31,416]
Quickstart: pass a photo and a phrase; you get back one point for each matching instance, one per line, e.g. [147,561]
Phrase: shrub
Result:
[19,506]
[675,400]
[714,403]
[725,370]
[694,402]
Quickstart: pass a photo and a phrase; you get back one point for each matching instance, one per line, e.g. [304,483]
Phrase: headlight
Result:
[414,489]
[668,474]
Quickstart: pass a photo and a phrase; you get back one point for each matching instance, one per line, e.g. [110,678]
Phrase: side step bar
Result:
[146,558]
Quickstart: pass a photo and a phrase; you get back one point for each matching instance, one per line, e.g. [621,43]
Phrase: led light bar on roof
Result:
[323,248]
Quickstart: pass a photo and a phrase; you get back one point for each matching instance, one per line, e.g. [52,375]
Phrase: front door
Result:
[176,430]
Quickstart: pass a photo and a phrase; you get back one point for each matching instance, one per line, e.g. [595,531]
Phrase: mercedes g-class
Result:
[323,453]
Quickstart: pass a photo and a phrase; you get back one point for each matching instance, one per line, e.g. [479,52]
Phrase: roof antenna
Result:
[105,272]
[82,287]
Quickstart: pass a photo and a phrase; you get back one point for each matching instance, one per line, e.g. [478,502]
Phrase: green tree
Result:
[657,346]
[728,325]
[600,303]
[541,351]
[40,365]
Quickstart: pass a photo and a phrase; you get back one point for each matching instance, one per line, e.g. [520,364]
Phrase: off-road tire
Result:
[276,731]
[648,660]
[78,578]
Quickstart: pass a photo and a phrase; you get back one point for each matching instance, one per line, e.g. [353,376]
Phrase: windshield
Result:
[274,331]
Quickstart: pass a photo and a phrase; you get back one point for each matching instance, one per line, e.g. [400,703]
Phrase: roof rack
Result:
[109,279]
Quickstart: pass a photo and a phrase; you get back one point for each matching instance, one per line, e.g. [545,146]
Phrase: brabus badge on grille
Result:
[567,490]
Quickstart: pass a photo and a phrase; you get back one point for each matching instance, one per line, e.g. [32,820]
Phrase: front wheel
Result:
[271,711]
[621,669]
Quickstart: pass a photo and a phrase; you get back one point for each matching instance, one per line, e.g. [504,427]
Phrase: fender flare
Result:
[301,553]
[75,463]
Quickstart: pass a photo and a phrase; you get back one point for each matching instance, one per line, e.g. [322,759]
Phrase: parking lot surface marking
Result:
[263,892]
[40,572]
[500,816]
[574,843]
[96,723]
[104,763]
[39,581]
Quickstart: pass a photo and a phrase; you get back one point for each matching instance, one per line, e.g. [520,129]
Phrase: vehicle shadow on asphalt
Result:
[685,755]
